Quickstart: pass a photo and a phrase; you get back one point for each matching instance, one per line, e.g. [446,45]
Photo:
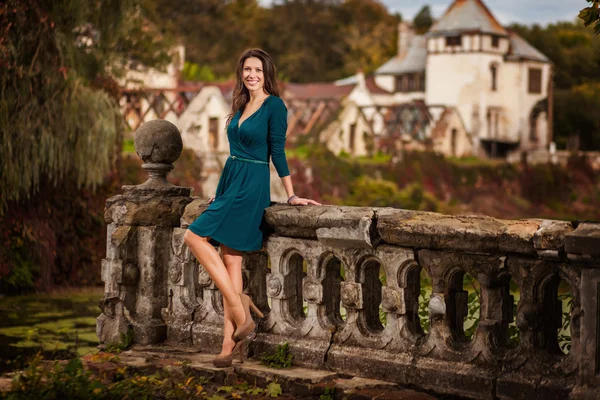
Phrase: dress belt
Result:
[248,160]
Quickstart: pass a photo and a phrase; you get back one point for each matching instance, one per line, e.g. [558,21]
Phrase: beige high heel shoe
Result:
[249,325]
[226,361]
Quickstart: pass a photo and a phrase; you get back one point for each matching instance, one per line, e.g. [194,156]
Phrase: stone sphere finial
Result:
[158,143]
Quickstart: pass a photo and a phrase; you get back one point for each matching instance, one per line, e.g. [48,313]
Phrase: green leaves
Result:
[125,342]
[225,389]
[281,359]
[255,391]
[195,72]
[591,16]
[273,389]
[328,395]
[564,333]
[423,20]
[59,120]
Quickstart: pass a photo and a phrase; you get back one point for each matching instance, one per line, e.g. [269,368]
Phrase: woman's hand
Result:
[299,201]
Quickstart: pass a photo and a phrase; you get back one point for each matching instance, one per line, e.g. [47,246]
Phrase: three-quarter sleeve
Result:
[276,138]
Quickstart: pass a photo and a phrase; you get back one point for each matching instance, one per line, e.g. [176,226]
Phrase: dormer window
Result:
[453,41]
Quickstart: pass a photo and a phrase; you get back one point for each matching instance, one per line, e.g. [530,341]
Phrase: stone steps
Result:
[296,381]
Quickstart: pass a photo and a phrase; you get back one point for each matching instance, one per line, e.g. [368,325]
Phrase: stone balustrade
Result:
[341,285]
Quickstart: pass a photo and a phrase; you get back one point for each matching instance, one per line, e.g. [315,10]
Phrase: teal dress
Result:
[244,190]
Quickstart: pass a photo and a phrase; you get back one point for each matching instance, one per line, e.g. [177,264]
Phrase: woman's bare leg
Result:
[212,263]
[233,262]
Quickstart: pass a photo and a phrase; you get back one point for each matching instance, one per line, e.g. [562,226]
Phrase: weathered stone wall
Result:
[318,259]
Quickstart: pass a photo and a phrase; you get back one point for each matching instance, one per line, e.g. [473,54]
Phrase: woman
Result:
[256,130]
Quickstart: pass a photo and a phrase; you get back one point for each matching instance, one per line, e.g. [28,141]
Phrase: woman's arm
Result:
[292,198]
[276,138]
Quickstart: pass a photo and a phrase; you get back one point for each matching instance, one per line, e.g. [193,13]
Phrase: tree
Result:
[194,72]
[310,40]
[305,39]
[423,20]
[58,120]
[370,34]
[214,32]
[576,115]
[591,15]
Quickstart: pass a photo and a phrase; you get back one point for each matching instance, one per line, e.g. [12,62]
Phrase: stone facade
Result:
[500,85]
[318,261]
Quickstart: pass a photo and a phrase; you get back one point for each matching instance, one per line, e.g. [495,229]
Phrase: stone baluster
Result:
[400,297]
[120,275]
[184,297]
[255,267]
[140,222]
[583,248]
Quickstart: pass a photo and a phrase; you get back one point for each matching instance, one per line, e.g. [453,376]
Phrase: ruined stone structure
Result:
[319,260]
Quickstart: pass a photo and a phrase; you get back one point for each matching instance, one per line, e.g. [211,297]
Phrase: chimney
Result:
[360,79]
[405,35]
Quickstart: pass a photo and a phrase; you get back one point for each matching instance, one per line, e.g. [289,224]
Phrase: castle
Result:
[466,87]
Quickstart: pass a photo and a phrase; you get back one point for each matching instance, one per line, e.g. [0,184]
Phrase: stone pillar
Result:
[140,227]
[583,248]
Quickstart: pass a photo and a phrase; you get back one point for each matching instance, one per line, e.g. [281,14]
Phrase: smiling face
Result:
[253,75]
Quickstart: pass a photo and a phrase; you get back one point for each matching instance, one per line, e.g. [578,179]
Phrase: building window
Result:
[352,137]
[399,84]
[453,41]
[213,133]
[411,83]
[453,136]
[495,42]
[494,76]
[535,80]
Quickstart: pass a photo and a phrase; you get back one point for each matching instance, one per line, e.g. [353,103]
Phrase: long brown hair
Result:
[241,95]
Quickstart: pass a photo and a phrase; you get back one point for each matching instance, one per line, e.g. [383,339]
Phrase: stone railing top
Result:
[470,233]
[366,227]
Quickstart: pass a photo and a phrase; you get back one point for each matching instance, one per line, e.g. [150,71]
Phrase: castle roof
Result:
[520,49]
[414,61]
[467,15]
[316,91]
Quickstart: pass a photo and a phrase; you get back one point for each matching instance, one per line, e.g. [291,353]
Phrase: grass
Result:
[59,325]
[299,152]
[375,159]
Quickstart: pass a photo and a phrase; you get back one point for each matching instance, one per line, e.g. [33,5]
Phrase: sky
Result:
[506,11]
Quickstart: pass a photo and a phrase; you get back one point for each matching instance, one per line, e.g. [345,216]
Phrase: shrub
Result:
[281,359]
